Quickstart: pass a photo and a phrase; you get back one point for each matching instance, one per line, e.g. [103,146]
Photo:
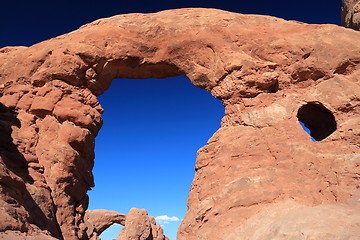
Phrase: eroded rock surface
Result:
[264,69]
[350,14]
[140,226]
[98,221]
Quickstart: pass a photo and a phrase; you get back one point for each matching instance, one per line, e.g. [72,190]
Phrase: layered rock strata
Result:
[259,177]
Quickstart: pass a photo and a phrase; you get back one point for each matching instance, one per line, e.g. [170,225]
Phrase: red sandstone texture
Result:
[259,176]
[139,226]
[98,221]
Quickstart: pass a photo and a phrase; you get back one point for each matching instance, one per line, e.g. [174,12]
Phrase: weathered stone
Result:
[139,226]
[12,235]
[44,105]
[259,176]
[350,14]
[99,220]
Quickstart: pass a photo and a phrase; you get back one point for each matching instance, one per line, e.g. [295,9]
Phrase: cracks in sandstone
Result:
[228,72]
[40,62]
[262,202]
[212,49]
[269,148]
[242,123]
[347,67]
[55,211]
[247,81]
[27,105]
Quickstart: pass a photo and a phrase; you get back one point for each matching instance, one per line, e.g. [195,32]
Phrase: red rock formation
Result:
[350,14]
[98,221]
[139,226]
[259,177]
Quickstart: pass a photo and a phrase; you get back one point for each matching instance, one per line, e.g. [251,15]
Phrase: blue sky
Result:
[145,152]
[28,22]
[307,130]
[146,149]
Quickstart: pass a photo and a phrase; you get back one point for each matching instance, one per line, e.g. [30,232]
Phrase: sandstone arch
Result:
[262,68]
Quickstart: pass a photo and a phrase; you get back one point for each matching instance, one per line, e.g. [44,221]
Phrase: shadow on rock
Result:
[15,181]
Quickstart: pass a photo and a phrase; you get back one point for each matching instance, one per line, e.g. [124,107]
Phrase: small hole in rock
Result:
[316,120]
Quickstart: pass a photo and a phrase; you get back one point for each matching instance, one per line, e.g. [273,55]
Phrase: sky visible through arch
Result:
[29,22]
[146,149]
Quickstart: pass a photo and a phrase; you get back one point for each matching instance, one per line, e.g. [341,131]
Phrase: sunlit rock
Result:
[264,69]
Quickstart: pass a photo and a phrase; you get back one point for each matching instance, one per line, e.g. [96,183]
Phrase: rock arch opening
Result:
[146,149]
[317,120]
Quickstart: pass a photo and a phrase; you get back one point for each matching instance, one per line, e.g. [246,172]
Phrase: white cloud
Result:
[165,219]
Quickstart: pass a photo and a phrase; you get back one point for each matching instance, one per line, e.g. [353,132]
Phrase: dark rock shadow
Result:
[14,176]
[9,153]
[318,119]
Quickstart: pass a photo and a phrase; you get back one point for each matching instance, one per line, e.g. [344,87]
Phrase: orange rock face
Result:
[259,176]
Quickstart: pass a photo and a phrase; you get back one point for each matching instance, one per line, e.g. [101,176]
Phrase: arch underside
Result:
[260,160]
